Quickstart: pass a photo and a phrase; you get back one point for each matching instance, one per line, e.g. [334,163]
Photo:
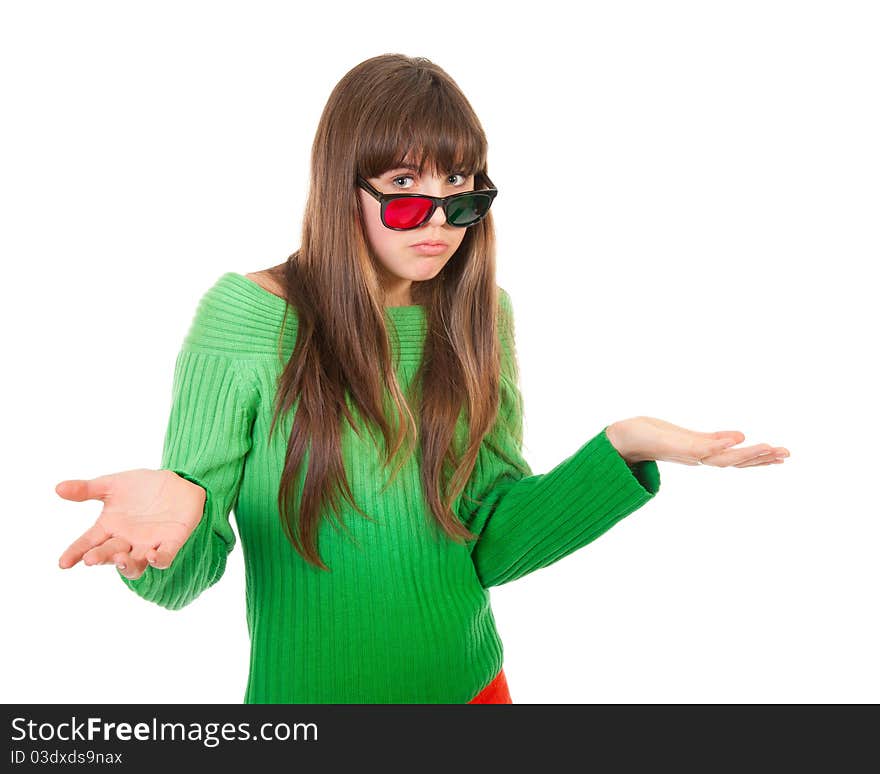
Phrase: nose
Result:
[438,218]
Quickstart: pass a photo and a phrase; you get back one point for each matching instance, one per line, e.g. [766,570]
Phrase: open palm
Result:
[147,517]
[649,438]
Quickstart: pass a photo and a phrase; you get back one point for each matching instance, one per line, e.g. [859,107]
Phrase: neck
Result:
[400,294]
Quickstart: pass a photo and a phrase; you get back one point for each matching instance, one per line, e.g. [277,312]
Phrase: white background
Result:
[708,256]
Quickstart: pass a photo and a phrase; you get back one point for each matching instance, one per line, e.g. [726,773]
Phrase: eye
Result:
[401,177]
[462,175]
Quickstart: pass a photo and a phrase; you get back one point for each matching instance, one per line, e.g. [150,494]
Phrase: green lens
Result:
[468,209]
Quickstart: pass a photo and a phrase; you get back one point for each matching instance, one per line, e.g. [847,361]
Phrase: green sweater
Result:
[403,616]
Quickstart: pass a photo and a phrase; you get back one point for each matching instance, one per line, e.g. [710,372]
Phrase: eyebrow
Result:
[408,169]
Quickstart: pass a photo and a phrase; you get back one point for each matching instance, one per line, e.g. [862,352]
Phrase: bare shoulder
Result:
[268,279]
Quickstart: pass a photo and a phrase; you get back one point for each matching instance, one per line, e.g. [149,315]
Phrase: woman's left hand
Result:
[646,438]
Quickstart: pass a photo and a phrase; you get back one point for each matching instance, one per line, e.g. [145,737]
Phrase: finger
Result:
[774,453]
[724,437]
[92,537]
[78,489]
[162,556]
[766,458]
[713,444]
[759,463]
[735,456]
[138,554]
[121,559]
[103,554]
[131,569]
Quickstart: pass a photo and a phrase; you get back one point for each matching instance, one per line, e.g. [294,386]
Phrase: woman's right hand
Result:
[147,517]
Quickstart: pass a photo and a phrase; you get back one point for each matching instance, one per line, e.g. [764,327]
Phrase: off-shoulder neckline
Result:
[261,292]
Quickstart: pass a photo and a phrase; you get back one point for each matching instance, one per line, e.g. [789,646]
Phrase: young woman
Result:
[358,408]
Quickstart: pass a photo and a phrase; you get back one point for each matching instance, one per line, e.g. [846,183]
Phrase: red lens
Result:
[407,213]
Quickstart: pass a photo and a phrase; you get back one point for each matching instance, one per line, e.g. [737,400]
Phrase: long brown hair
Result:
[382,112]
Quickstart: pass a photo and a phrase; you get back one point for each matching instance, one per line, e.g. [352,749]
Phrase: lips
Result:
[431,243]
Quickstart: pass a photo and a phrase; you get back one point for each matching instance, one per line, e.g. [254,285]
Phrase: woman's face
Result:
[399,262]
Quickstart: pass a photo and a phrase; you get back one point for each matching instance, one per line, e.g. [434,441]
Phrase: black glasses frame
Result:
[436,201]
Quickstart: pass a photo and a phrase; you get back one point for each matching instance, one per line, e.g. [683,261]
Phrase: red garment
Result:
[494,693]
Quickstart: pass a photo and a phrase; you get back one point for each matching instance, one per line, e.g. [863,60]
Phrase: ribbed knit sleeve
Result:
[527,521]
[207,438]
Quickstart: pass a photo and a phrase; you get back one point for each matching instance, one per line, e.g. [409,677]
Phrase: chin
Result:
[429,270]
